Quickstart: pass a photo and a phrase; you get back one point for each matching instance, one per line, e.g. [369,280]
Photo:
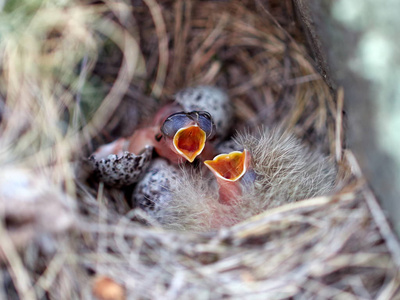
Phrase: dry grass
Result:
[74,75]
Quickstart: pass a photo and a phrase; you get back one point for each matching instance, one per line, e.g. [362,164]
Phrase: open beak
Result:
[189,141]
[228,169]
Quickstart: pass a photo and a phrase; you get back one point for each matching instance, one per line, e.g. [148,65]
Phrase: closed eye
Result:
[206,123]
[175,122]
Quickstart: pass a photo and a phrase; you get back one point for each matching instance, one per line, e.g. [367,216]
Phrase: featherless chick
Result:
[181,130]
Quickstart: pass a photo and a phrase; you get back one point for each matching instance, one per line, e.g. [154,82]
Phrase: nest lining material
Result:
[321,248]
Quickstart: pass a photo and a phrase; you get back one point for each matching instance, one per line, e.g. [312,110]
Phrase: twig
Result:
[161,30]
[18,272]
[339,124]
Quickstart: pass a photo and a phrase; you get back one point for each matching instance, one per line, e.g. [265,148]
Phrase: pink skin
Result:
[147,136]
[165,112]
[117,147]
[141,138]
[208,152]
[228,191]
[138,141]
[229,188]
[165,148]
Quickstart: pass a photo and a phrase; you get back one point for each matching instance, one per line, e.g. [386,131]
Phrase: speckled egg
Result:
[155,190]
[117,171]
[211,99]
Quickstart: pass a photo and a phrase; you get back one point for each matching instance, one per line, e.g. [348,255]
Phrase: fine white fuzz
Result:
[195,205]
[285,171]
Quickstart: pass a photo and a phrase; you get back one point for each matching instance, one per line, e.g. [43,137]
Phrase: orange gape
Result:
[190,141]
[228,169]
[230,166]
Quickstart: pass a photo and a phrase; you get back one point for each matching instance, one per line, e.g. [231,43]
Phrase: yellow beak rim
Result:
[229,167]
[189,142]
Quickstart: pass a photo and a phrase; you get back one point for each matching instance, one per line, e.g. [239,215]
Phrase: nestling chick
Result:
[283,171]
[286,170]
[228,170]
[180,130]
[185,135]
[197,116]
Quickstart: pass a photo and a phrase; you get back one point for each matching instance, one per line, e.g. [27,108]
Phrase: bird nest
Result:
[76,75]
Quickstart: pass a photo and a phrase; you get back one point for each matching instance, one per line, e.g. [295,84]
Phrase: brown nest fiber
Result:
[333,247]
